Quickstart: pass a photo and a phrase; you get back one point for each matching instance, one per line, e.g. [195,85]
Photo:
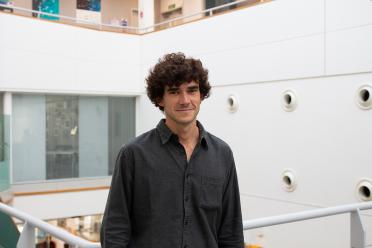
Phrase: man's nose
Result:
[184,98]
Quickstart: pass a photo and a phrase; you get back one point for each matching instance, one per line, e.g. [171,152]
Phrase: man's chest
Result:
[169,181]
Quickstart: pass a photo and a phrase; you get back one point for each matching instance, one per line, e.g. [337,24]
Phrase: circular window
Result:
[289,100]
[364,97]
[364,190]
[289,180]
[232,103]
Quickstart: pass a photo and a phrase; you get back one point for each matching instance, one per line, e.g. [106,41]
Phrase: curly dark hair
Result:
[175,69]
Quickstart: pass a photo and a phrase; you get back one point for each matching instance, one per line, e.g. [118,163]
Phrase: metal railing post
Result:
[357,230]
[27,238]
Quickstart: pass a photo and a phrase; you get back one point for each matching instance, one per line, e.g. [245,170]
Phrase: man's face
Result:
[181,104]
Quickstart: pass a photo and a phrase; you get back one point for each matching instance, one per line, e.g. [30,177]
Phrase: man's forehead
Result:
[186,84]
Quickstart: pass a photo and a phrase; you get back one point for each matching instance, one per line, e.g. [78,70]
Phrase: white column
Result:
[7,100]
[146,15]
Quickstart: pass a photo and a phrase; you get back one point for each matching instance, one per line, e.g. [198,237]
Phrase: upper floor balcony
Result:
[135,16]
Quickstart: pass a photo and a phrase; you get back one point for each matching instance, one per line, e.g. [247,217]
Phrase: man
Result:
[176,185]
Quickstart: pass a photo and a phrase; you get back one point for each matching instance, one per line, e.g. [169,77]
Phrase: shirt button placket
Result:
[186,223]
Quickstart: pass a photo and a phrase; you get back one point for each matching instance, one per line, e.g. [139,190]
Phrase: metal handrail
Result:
[305,215]
[357,229]
[48,228]
[136,29]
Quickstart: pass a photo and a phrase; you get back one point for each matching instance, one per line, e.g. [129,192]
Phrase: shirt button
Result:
[185,246]
[186,223]
[186,198]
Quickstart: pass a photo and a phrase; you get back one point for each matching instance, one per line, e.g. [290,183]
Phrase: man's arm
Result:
[116,223]
[230,233]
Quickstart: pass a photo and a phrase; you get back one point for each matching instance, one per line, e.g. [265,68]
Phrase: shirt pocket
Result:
[211,192]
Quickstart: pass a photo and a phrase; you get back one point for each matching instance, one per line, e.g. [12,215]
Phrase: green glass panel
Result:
[4,152]
[9,233]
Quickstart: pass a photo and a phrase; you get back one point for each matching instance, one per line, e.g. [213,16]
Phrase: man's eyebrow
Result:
[172,88]
[193,87]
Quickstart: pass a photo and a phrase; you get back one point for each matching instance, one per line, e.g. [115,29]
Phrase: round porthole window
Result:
[289,180]
[364,190]
[364,97]
[232,103]
[289,100]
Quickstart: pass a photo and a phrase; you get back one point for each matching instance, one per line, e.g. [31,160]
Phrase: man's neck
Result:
[187,134]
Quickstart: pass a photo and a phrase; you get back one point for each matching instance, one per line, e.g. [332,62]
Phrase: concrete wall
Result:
[50,57]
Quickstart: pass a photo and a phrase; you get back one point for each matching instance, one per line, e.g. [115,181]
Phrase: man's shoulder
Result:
[141,141]
[216,142]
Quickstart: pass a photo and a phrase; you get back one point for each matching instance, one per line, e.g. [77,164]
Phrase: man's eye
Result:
[193,90]
[173,92]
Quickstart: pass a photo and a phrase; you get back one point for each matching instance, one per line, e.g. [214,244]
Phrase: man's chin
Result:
[186,121]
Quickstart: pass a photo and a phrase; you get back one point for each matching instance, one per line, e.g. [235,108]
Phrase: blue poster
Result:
[47,6]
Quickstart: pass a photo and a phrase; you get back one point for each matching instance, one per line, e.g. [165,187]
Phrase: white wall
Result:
[272,41]
[319,49]
[322,139]
[44,56]
[349,35]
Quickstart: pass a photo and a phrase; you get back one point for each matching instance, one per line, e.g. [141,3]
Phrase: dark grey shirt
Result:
[158,199]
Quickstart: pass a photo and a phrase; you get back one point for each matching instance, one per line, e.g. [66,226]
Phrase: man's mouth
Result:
[184,110]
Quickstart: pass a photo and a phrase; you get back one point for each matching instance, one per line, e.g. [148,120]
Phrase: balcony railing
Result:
[130,29]
[357,230]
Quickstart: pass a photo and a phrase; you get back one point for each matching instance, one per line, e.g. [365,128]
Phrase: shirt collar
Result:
[165,133]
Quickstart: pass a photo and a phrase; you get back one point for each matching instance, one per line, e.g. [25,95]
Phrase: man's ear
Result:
[160,102]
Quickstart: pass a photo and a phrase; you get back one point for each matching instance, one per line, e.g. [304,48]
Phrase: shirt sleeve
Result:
[116,223]
[230,234]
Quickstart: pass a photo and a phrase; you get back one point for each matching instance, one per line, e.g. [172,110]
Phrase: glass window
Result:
[28,132]
[62,139]
[62,136]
